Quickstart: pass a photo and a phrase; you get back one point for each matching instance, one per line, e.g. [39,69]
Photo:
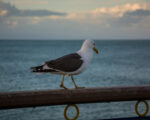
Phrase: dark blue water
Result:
[119,63]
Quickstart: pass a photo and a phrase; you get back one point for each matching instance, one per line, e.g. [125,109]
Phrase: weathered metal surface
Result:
[72,96]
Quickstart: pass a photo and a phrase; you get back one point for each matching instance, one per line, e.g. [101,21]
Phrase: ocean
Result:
[119,63]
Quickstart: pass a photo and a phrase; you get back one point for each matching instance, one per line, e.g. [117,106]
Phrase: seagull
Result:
[71,64]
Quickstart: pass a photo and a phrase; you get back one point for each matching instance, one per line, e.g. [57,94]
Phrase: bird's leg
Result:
[75,83]
[62,82]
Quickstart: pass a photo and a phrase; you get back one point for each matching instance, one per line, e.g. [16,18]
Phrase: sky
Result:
[74,19]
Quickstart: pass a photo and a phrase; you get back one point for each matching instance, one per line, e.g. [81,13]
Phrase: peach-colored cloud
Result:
[101,14]
[118,11]
[3,12]
[55,17]
[77,16]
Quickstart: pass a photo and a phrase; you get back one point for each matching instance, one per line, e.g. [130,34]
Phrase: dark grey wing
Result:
[67,63]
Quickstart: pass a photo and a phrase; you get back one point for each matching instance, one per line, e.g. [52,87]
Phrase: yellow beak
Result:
[95,49]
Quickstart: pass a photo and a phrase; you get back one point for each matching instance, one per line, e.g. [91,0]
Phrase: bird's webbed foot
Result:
[62,86]
[79,87]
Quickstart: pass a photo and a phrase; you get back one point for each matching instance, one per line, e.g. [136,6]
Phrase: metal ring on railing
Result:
[77,112]
[146,110]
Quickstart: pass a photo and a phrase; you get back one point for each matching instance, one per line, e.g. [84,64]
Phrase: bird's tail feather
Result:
[39,69]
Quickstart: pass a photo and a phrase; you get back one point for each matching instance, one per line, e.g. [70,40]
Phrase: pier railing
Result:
[21,99]
[71,97]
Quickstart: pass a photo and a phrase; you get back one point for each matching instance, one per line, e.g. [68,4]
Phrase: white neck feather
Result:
[86,52]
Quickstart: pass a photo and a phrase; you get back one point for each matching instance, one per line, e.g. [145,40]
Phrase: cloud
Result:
[12,14]
[39,13]
[101,14]
[119,10]
[116,16]
[9,10]
[132,18]
[31,2]
[139,12]
[3,12]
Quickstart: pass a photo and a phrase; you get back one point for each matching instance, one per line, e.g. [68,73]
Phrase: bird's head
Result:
[91,44]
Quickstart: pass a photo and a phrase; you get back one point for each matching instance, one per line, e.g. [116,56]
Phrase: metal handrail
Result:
[21,99]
